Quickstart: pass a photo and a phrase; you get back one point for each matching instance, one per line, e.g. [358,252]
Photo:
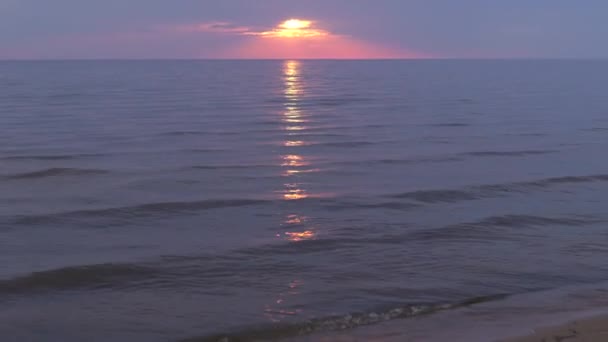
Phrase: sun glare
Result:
[295,24]
[294,28]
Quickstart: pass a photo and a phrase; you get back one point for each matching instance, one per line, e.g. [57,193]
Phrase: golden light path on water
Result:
[295,227]
[294,122]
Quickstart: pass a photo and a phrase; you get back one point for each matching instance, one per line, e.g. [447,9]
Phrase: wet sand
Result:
[593,329]
[569,314]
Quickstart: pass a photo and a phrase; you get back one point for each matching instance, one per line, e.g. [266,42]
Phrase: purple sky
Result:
[355,28]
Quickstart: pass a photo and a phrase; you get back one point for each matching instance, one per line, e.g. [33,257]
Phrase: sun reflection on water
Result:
[294,160]
[295,128]
[294,143]
[294,219]
[297,229]
[295,165]
[276,312]
[295,194]
[299,236]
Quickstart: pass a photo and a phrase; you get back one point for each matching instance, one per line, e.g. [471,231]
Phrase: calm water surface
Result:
[172,200]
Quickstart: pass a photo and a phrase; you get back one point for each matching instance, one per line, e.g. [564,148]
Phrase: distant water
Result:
[190,200]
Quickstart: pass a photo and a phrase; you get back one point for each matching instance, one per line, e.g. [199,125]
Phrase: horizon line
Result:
[306,59]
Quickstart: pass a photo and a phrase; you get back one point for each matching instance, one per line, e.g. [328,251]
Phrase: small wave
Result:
[56,172]
[334,102]
[348,205]
[88,276]
[300,247]
[569,179]
[390,205]
[267,123]
[339,323]
[438,196]
[52,157]
[526,134]
[66,95]
[137,211]
[509,153]
[419,160]
[483,229]
[413,161]
[228,167]
[450,124]
[346,144]
[203,150]
[529,220]
[329,101]
[494,190]
[183,133]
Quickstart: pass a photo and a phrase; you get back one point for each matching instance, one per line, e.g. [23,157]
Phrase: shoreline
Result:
[590,329]
[567,314]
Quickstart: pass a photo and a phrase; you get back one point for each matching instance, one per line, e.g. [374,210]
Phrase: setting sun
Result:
[295,24]
[293,38]
[294,28]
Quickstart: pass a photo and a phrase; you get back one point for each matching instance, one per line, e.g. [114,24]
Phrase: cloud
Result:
[214,27]
[292,28]
[292,39]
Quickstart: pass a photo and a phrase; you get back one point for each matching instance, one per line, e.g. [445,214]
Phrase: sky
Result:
[151,29]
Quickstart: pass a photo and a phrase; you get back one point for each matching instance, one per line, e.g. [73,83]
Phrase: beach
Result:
[593,329]
[528,317]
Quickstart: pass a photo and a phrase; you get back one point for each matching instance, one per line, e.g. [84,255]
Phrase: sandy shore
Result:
[584,330]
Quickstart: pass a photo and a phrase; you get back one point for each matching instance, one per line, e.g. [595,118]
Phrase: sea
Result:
[271,200]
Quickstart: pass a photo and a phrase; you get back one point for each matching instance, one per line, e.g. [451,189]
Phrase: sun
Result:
[294,28]
[295,24]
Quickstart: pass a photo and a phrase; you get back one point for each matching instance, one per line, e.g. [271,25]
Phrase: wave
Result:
[166,272]
[529,220]
[203,150]
[267,123]
[230,167]
[342,322]
[66,95]
[137,211]
[494,190]
[413,161]
[183,133]
[447,158]
[301,247]
[52,157]
[56,172]
[438,196]
[450,124]
[597,129]
[528,134]
[486,228]
[346,144]
[67,278]
[328,101]
[508,153]
[390,205]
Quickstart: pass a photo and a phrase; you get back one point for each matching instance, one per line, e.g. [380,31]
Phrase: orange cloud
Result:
[296,39]
[294,28]
[214,27]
